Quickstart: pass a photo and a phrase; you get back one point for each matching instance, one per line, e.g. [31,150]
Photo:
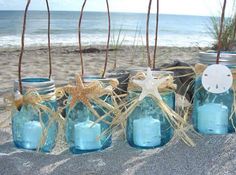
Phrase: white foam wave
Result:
[100,39]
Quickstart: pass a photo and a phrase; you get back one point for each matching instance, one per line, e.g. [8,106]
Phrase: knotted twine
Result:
[92,92]
[177,122]
[33,100]
[198,71]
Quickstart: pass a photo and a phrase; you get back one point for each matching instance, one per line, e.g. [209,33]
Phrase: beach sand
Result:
[212,154]
[66,61]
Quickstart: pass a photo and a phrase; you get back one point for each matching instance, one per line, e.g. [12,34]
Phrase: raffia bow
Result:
[88,92]
[36,101]
[177,122]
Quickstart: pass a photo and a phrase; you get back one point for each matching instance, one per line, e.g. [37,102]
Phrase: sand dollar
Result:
[217,79]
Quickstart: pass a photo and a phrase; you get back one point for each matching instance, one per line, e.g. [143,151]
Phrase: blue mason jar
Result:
[83,134]
[147,126]
[28,127]
[212,113]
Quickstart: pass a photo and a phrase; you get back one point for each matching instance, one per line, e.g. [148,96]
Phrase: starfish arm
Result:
[92,88]
[79,82]
[86,102]
[69,89]
[149,72]
[72,103]
[156,94]
[143,95]
[139,82]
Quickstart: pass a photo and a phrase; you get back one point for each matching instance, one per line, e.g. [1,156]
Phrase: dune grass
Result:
[228,33]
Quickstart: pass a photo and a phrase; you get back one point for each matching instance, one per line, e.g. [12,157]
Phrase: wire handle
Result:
[108,38]
[23,44]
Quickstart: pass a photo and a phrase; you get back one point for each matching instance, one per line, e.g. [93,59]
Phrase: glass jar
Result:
[212,112]
[83,134]
[147,126]
[27,129]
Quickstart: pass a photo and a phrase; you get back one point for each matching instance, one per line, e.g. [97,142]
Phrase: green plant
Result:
[227,34]
[228,31]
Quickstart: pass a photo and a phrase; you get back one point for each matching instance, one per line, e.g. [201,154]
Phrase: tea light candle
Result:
[147,132]
[31,134]
[86,137]
[213,119]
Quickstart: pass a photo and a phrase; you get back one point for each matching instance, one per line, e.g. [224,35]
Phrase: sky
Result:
[186,7]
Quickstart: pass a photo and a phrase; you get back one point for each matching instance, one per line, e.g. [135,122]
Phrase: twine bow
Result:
[86,93]
[36,102]
[176,121]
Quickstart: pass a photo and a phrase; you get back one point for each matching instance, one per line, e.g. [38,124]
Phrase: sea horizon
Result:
[110,12]
[174,29]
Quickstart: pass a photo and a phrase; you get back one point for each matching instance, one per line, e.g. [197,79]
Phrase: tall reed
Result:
[116,44]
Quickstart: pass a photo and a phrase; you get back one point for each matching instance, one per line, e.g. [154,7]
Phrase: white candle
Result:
[213,119]
[31,134]
[147,132]
[86,137]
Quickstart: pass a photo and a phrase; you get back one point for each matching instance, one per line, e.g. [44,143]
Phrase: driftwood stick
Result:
[156,35]
[79,37]
[49,40]
[219,46]
[147,34]
[22,46]
[108,39]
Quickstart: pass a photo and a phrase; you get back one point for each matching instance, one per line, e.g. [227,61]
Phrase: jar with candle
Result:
[213,107]
[84,132]
[32,127]
[147,125]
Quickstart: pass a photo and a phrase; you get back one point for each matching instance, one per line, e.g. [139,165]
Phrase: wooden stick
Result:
[108,39]
[220,34]
[49,41]
[22,46]
[156,35]
[147,34]
[79,35]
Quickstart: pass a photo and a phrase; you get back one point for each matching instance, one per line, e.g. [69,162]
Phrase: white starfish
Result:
[150,85]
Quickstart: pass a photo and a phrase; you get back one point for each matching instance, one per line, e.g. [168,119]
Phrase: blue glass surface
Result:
[81,136]
[147,126]
[211,112]
[27,129]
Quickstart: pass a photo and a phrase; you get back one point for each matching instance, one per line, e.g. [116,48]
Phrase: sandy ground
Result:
[66,61]
[213,155]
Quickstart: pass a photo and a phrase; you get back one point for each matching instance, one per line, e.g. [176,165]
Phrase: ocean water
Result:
[174,30]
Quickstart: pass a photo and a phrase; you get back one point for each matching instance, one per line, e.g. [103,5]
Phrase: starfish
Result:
[80,92]
[150,85]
